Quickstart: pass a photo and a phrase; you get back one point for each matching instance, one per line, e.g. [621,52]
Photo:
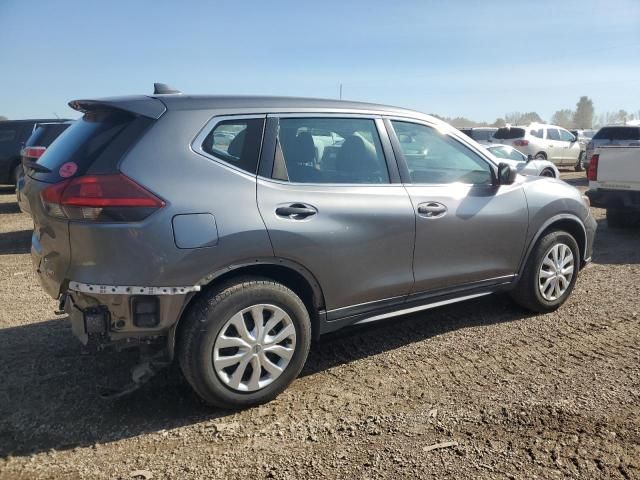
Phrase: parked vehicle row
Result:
[230,254]
[525,165]
[544,142]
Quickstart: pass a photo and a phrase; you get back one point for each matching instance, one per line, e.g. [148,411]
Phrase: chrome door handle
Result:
[432,209]
[296,211]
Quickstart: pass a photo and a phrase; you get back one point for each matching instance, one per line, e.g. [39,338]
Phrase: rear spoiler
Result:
[138,105]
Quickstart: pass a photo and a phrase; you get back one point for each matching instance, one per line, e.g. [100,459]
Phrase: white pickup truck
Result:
[614,183]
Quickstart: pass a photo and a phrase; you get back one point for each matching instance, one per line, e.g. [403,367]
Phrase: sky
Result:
[477,59]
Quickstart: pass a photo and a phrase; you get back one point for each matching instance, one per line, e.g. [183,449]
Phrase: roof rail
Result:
[163,89]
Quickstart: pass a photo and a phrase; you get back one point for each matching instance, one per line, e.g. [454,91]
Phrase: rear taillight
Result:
[33,153]
[592,172]
[101,198]
[521,143]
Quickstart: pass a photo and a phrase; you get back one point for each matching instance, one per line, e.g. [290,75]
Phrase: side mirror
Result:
[529,157]
[506,174]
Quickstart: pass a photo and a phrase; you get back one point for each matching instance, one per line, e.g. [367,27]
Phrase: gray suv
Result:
[228,232]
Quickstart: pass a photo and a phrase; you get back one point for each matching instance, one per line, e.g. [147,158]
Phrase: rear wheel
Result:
[244,343]
[547,172]
[550,273]
[540,156]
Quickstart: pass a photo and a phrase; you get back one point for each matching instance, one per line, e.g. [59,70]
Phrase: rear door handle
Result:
[432,209]
[296,211]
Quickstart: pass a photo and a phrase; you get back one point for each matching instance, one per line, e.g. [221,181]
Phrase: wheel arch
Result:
[567,222]
[291,274]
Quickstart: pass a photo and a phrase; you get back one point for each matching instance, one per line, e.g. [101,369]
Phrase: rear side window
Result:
[94,144]
[538,133]
[330,150]
[237,142]
[509,133]
[618,133]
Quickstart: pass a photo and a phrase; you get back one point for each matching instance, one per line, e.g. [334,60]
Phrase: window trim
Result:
[267,159]
[445,130]
[196,144]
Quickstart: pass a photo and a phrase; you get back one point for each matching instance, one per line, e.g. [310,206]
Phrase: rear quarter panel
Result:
[145,253]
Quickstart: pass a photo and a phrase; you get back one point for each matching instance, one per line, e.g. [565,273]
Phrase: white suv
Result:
[541,141]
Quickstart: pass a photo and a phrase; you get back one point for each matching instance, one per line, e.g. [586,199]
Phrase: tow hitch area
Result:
[141,373]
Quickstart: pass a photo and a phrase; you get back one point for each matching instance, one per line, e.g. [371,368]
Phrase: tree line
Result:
[584,116]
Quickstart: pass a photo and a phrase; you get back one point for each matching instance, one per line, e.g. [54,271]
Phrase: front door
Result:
[329,203]
[467,229]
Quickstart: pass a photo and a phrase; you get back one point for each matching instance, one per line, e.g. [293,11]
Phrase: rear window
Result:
[237,142]
[509,133]
[94,144]
[481,135]
[618,133]
[44,135]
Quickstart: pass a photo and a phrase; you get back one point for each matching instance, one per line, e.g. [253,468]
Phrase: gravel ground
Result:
[519,395]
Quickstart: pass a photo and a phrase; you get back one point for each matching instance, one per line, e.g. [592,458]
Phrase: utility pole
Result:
[340,91]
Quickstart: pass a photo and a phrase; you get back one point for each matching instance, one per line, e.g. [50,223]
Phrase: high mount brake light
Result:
[108,198]
[592,171]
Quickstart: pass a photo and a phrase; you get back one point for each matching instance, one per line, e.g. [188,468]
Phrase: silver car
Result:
[545,142]
[525,165]
[231,255]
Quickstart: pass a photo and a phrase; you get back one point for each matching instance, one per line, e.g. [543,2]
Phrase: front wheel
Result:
[244,343]
[549,274]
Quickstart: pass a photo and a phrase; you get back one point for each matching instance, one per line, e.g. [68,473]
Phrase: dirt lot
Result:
[523,396]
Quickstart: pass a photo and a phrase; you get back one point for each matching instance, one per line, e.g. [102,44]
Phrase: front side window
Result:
[566,136]
[435,158]
[237,142]
[330,150]
[553,134]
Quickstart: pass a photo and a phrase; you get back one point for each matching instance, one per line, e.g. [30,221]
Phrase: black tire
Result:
[203,323]
[540,156]
[580,165]
[547,172]
[527,294]
[618,218]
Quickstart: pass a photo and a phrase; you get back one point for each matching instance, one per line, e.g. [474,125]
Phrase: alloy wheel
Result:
[556,272]
[254,347]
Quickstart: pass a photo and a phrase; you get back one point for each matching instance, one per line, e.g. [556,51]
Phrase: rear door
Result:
[337,207]
[468,231]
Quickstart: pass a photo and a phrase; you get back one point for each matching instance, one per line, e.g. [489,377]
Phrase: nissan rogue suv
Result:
[227,232]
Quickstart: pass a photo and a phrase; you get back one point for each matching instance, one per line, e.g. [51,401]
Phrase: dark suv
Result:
[13,135]
[228,231]
[43,135]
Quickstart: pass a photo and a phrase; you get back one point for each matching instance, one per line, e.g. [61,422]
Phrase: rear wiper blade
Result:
[36,167]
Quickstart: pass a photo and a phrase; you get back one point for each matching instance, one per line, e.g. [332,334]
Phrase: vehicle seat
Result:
[300,157]
[357,160]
